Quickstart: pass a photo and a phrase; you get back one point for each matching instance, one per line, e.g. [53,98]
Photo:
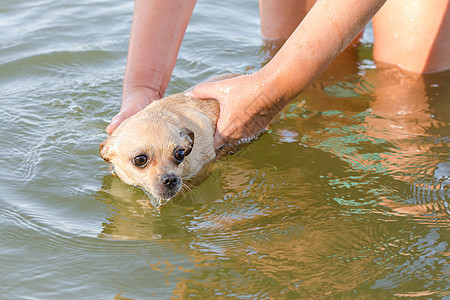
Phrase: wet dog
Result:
[171,140]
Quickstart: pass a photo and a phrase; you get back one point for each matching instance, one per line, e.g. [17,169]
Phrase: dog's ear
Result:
[105,150]
[189,136]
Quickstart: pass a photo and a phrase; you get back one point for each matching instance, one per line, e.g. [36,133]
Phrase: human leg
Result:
[413,34]
[279,18]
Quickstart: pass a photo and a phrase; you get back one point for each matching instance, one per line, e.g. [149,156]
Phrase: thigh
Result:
[413,34]
[279,18]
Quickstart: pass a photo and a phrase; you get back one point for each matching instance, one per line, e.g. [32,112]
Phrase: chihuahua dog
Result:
[169,141]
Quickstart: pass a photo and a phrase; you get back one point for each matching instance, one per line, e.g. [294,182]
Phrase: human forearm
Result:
[324,33]
[248,103]
[156,34]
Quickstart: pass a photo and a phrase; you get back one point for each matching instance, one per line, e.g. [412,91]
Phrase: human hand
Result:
[133,101]
[247,105]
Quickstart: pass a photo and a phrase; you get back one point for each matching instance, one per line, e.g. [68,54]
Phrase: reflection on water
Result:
[346,196]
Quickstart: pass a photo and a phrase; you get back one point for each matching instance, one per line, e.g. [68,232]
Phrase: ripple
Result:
[20,225]
[55,63]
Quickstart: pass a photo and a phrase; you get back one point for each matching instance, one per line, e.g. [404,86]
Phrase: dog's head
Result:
[152,155]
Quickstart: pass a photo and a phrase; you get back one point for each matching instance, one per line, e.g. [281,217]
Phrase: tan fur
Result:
[174,122]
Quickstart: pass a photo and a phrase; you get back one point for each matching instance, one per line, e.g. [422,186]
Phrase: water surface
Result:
[346,196]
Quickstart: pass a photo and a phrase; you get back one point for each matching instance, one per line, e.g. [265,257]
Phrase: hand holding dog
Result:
[247,105]
[133,101]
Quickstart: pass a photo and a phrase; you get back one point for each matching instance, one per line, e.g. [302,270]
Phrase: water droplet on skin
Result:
[226,90]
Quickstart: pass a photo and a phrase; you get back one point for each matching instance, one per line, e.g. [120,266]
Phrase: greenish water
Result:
[346,196]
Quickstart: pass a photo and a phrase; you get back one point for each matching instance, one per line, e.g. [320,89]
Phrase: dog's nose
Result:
[170,180]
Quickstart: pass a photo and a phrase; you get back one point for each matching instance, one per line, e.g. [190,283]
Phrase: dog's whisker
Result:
[185,187]
[187,191]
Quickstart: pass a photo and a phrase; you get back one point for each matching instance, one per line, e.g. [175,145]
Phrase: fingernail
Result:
[110,128]
[189,93]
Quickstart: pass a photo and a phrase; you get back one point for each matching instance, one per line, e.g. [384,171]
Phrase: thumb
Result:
[115,122]
[206,90]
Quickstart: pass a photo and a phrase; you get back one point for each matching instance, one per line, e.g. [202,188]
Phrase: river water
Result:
[346,196]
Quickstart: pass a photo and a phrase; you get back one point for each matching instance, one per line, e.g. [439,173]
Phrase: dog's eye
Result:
[179,155]
[140,160]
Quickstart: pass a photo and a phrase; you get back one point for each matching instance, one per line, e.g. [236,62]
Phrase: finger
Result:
[204,91]
[115,122]
[111,127]
[218,140]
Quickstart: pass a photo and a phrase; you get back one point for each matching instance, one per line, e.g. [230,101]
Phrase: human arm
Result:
[248,103]
[156,34]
